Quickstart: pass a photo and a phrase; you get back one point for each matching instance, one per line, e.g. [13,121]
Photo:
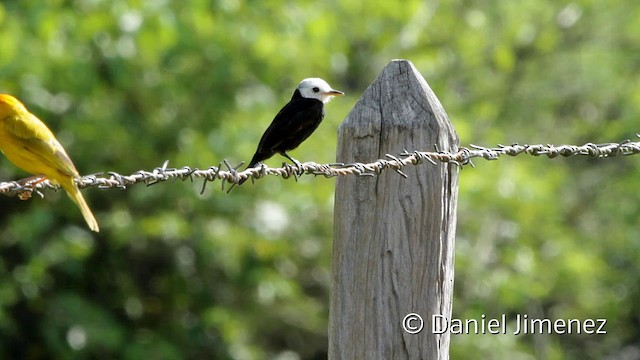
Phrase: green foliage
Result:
[126,85]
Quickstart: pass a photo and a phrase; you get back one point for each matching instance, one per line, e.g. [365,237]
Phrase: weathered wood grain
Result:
[393,237]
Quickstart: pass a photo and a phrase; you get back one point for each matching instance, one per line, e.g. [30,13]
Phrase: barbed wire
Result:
[226,173]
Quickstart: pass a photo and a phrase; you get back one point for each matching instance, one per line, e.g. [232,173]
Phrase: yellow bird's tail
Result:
[74,193]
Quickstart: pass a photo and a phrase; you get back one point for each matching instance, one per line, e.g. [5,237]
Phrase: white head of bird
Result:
[316,88]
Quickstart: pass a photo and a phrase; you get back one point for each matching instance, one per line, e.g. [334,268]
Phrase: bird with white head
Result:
[296,121]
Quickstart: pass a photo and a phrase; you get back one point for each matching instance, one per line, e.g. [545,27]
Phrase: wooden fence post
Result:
[393,237]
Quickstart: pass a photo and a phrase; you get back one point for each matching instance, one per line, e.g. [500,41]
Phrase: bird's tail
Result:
[254,161]
[74,193]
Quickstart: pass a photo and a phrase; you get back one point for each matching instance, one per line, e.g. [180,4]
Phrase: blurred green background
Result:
[126,85]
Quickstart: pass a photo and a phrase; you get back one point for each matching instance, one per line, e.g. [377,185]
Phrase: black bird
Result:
[296,121]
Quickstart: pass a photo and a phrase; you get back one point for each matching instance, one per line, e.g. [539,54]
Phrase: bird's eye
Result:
[316,89]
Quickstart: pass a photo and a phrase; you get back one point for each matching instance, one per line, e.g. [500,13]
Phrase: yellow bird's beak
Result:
[334,93]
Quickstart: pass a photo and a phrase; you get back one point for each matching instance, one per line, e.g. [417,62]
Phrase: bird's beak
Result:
[334,93]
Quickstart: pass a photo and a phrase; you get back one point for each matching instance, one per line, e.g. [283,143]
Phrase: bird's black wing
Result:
[295,122]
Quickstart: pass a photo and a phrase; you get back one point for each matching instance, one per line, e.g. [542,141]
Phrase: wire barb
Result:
[463,156]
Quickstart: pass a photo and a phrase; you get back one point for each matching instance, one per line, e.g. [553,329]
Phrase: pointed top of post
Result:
[400,97]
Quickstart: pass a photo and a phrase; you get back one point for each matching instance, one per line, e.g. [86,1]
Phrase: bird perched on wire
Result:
[296,121]
[30,145]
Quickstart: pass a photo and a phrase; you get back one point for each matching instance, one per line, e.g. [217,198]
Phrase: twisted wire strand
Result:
[226,173]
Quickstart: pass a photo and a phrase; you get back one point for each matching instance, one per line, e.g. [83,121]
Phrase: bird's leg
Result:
[298,163]
[28,186]
[32,181]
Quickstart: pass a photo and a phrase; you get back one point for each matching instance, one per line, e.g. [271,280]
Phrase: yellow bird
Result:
[30,145]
